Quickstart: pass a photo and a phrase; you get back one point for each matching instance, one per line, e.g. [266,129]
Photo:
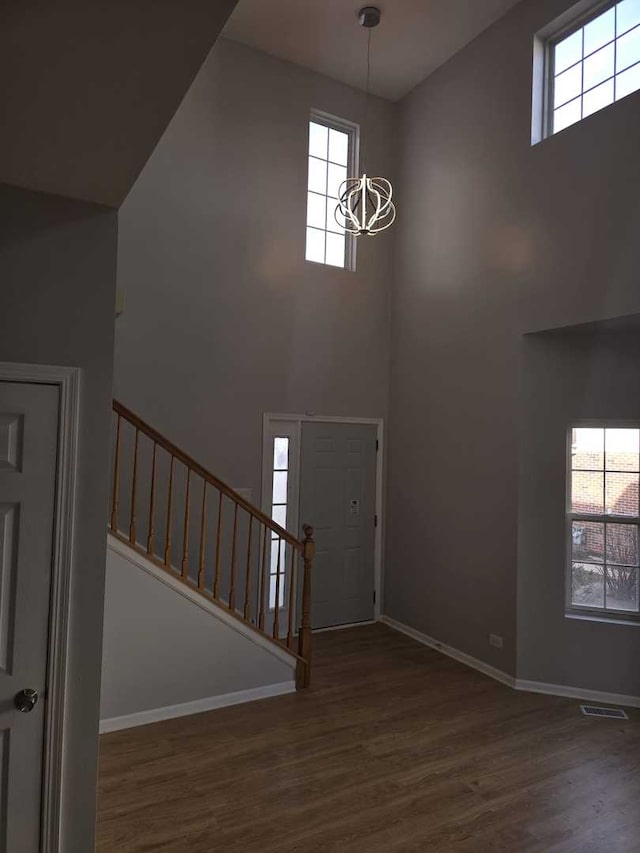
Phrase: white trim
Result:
[269,417]
[290,430]
[353,168]
[563,690]
[195,597]
[344,627]
[578,693]
[545,41]
[596,616]
[450,651]
[62,566]
[198,706]
[577,611]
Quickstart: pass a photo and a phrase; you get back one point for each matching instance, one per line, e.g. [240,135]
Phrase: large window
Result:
[593,63]
[603,520]
[332,158]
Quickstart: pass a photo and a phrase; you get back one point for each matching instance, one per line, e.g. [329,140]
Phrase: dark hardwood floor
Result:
[395,749]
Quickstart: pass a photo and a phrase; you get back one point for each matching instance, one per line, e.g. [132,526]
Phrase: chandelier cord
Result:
[365,121]
[365,204]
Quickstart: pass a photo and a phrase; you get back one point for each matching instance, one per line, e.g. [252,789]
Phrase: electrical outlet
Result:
[495,640]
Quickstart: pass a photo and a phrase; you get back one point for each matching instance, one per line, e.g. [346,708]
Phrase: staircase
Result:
[183,519]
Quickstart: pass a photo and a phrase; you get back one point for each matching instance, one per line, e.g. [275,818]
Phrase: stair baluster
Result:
[232,586]
[116,478]
[142,471]
[185,529]
[167,550]
[216,581]
[152,503]
[276,608]
[134,490]
[263,580]
[247,573]
[203,537]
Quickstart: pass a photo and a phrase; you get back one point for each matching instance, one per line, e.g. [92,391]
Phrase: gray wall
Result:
[57,268]
[495,239]
[224,320]
[568,377]
[161,649]
[115,74]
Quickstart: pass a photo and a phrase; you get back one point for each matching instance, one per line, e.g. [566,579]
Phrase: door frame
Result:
[67,380]
[293,426]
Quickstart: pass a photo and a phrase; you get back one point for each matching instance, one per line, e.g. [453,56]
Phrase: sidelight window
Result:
[279,506]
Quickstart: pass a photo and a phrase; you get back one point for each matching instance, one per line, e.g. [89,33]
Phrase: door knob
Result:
[25,700]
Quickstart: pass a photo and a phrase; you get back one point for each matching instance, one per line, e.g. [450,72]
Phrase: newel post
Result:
[304,638]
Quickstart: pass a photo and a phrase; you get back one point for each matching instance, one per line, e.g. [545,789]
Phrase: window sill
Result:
[607,620]
[329,266]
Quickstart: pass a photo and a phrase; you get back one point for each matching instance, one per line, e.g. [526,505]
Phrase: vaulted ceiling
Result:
[88,87]
[414,38]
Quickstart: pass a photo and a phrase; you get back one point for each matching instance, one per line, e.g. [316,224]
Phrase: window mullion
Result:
[604,562]
[326,197]
[582,80]
[615,51]
[604,475]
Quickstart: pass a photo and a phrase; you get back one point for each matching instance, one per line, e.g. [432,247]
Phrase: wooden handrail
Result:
[198,469]
[218,578]
[301,663]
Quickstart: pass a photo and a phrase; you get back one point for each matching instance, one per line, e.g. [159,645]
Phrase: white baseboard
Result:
[155,715]
[343,627]
[596,696]
[562,690]
[462,657]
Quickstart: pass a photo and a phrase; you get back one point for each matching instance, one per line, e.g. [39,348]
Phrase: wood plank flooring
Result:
[395,749]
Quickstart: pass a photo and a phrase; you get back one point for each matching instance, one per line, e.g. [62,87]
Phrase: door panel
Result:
[28,451]
[337,496]
[8,529]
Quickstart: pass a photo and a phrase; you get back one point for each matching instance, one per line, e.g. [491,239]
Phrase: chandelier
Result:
[366,204]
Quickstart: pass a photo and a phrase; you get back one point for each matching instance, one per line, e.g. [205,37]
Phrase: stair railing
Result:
[243,560]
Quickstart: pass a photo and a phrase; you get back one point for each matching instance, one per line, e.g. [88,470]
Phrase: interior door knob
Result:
[25,700]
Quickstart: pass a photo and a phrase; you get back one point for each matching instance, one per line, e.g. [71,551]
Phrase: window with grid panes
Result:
[332,154]
[603,520]
[593,64]
[280,495]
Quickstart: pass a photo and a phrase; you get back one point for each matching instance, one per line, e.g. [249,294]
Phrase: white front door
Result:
[337,494]
[28,456]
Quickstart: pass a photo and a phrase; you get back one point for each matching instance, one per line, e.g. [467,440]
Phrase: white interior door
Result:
[337,496]
[28,454]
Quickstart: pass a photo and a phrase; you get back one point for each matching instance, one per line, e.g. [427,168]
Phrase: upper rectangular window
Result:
[603,521]
[593,63]
[332,158]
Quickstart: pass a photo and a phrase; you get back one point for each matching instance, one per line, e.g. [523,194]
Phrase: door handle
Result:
[25,700]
